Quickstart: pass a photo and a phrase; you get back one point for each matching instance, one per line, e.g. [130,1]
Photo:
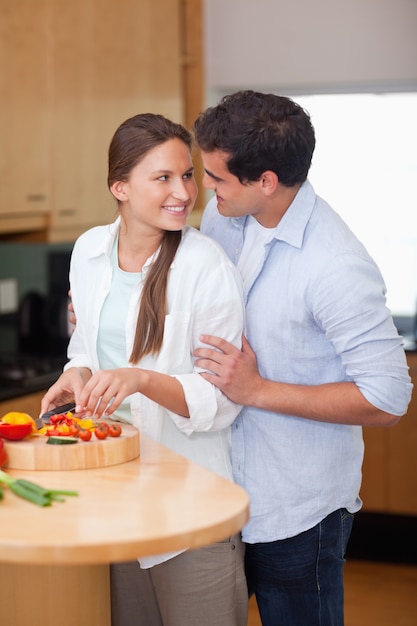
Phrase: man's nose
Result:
[208,182]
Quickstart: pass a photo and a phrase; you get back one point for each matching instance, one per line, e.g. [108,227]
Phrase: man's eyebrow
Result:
[212,175]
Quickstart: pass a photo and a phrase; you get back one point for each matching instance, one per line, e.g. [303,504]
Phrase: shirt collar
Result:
[106,245]
[294,222]
[292,227]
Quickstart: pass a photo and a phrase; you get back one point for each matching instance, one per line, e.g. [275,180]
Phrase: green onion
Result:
[32,492]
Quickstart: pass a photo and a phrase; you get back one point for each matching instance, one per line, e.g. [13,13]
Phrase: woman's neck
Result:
[134,251]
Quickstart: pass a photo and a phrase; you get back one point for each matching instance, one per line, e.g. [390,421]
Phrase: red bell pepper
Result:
[3,454]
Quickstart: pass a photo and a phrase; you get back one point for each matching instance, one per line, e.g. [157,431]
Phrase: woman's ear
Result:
[118,190]
[269,182]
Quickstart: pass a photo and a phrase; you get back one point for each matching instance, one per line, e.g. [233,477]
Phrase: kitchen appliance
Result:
[43,321]
[42,331]
[43,326]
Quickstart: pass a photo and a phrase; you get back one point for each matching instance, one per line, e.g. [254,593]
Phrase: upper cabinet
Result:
[24,101]
[70,73]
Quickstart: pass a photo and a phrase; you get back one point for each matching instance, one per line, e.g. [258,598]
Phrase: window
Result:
[365,166]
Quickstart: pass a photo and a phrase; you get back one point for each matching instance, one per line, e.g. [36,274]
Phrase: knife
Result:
[59,410]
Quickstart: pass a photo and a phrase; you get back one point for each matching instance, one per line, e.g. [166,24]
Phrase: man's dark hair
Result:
[259,132]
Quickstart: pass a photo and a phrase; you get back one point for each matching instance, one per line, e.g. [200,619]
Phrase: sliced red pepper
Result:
[55,419]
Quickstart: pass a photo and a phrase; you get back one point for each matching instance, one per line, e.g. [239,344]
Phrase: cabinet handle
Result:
[36,197]
[67,212]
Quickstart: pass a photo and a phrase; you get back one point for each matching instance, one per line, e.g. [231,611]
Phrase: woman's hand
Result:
[66,389]
[107,389]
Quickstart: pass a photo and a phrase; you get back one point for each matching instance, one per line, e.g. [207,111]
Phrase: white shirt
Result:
[253,251]
[204,296]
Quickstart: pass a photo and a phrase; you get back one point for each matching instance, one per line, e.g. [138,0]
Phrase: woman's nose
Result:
[181,190]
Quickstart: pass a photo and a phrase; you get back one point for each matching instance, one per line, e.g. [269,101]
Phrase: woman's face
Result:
[161,190]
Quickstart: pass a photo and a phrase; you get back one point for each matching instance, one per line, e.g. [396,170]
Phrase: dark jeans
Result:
[299,581]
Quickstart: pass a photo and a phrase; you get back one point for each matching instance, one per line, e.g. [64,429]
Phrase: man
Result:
[321,359]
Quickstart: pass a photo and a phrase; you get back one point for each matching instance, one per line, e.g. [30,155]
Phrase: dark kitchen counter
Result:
[10,390]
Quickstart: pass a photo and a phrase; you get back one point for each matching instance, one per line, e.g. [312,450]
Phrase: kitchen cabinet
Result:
[71,72]
[110,61]
[390,464]
[24,96]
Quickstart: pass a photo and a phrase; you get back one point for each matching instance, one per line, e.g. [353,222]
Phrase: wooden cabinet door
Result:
[390,465]
[24,94]
[402,455]
[111,60]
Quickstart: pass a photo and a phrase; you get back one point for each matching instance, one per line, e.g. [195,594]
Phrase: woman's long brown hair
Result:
[129,145]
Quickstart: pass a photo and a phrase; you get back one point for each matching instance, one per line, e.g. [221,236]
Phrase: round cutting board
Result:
[33,453]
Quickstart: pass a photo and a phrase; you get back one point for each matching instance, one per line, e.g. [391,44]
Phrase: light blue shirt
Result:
[315,313]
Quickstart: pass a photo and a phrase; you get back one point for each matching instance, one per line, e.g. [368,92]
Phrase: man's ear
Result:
[269,182]
[118,190]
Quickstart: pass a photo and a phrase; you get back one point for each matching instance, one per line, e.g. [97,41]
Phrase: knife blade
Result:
[59,410]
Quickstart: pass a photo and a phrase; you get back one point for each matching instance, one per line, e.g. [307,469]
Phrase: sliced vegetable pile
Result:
[64,428]
[66,425]
[67,429]
[32,492]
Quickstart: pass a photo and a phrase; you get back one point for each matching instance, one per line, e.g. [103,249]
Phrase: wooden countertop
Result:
[156,503]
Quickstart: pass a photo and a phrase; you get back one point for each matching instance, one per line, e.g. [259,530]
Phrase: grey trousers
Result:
[202,587]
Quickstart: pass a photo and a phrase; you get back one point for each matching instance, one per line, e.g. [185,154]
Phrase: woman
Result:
[144,289]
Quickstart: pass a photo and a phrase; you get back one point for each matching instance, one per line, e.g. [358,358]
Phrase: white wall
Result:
[300,46]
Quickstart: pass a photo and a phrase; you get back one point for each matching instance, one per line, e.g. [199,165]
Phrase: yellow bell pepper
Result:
[15,417]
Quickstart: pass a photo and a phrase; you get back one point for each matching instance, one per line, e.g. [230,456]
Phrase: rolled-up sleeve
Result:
[209,408]
[360,327]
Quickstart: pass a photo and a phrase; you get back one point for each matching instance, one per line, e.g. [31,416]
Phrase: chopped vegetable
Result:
[66,424]
[115,430]
[84,434]
[62,440]
[101,431]
[32,492]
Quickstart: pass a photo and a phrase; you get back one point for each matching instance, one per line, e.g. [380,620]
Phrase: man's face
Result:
[233,198]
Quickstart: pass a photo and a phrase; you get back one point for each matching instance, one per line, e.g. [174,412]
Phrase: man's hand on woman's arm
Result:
[236,373]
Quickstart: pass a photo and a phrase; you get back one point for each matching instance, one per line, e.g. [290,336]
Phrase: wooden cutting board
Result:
[33,453]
